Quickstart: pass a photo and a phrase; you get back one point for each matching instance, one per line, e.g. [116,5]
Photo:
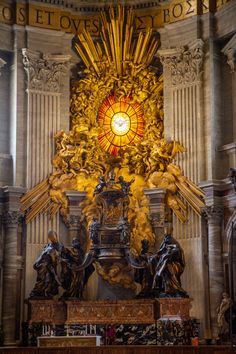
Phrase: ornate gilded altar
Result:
[117,138]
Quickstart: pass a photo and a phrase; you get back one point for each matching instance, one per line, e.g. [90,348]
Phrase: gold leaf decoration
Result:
[117,72]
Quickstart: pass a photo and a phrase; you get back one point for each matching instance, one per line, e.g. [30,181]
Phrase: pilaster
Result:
[183,105]
[44,81]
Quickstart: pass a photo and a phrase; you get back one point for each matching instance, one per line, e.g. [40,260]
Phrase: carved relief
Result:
[44,71]
[185,64]
[117,312]
[173,307]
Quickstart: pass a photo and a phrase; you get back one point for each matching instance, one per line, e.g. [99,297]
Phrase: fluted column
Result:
[2,63]
[44,81]
[214,216]
[12,266]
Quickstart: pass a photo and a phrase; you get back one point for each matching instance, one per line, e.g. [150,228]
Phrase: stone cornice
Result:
[95,6]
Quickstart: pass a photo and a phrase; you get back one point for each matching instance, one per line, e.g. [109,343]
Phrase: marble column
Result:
[214,216]
[45,73]
[157,214]
[12,266]
[74,219]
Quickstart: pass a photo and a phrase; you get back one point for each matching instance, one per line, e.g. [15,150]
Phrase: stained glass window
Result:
[121,123]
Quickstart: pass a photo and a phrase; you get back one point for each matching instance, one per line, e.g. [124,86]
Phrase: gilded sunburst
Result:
[121,122]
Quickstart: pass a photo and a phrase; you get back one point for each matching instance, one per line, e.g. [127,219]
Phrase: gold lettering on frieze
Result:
[57,19]
[179,10]
[7,13]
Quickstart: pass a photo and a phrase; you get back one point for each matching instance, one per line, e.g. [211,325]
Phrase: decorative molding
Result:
[185,63]
[12,217]
[2,63]
[44,71]
[230,51]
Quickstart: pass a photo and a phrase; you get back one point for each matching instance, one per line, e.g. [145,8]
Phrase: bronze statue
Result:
[169,267]
[94,231]
[144,274]
[72,276]
[47,282]
[102,183]
[125,186]
[124,227]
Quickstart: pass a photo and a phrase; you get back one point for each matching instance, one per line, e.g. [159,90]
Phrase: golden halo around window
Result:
[121,122]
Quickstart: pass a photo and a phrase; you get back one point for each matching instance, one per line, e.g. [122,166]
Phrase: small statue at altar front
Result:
[47,282]
[223,325]
[170,264]
[72,276]
[94,231]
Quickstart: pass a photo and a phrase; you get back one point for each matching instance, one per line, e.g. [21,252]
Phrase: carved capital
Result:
[185,63]
[12,217]
[2,63]
[44,71]
[72,221]
[213,214]
[230,51]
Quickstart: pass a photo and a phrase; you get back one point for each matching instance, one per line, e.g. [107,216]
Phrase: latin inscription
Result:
[54,18]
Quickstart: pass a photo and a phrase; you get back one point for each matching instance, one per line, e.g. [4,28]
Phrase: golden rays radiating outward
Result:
[116,122]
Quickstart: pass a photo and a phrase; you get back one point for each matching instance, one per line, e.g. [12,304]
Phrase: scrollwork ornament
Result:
[44,73]
[12,217]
